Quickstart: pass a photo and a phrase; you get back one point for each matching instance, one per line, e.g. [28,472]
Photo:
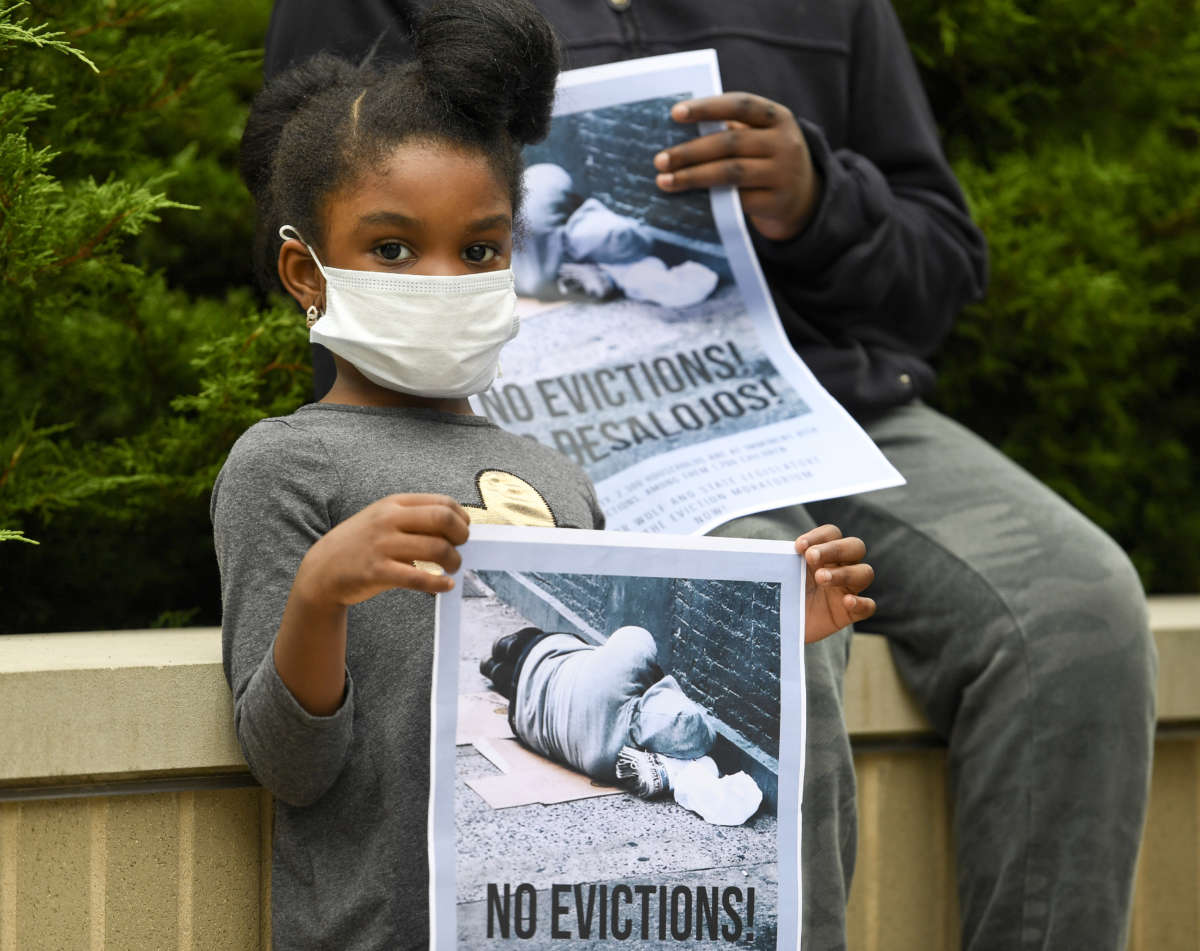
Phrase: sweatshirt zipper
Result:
[631,31]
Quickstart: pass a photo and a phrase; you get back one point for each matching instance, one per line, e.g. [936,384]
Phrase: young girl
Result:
[394,192]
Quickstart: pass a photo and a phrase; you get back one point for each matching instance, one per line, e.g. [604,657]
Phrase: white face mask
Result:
[417,334]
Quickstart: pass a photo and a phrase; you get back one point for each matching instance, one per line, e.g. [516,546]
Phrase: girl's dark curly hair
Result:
[483,78]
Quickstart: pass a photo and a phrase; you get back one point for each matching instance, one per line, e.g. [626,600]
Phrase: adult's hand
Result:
[762,153]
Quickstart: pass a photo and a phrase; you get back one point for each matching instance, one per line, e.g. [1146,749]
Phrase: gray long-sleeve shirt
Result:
[350,866]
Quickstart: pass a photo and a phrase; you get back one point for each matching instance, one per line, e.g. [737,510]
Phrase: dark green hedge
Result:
[133,351]
[1075,130]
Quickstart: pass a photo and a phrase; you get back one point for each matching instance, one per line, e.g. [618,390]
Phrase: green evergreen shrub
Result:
[133,352]
[1074,128]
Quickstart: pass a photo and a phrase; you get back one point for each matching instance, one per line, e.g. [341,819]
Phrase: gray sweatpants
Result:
[1021,627]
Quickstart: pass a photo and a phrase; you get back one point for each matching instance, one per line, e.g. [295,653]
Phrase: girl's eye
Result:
[479,254]
[393,251]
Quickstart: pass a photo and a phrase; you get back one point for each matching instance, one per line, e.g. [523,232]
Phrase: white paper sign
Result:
[650,350]
[527,850]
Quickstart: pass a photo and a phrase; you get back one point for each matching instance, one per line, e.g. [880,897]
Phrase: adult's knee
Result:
[1111,633]
[1096,662]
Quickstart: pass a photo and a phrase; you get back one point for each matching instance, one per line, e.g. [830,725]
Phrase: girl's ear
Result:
[300,276]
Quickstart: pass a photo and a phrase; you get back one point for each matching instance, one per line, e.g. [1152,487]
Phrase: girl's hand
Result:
[374,550]
[836,575]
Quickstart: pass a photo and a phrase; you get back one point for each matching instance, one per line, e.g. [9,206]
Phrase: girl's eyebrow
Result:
[491,221]
[389,218]
[404,221]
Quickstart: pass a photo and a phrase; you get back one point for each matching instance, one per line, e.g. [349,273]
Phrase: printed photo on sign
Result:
[650,351]
[612,742]
[608,259]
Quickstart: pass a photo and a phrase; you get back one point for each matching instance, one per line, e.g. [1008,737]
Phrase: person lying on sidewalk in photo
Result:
[609,711]
[577,247]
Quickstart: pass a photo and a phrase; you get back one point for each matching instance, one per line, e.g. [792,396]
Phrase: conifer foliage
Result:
[132,350]
[1074,127]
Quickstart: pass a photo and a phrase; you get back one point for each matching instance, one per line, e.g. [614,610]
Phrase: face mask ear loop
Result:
[295,235]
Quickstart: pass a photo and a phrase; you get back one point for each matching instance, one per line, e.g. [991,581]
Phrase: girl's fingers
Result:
[842,551]
[859,608]
[815,536]
[447,521]
[406,548]
[417,579]
[853,578]
[410,500]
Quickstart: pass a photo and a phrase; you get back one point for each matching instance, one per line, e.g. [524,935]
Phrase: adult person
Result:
[1018,624]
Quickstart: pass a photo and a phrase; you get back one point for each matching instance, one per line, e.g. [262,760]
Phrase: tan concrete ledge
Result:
[119,706]
[114,705]
[879,706]
[1176,624]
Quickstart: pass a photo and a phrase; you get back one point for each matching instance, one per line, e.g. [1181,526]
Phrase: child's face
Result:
[429,209]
